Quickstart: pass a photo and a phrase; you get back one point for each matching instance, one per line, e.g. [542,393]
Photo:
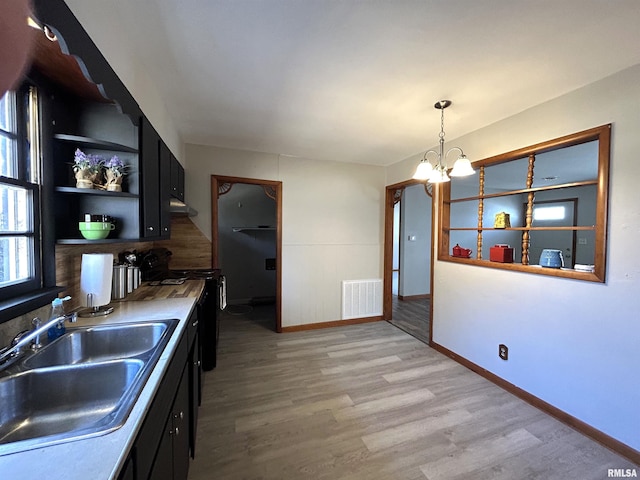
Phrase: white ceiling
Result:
[356,80]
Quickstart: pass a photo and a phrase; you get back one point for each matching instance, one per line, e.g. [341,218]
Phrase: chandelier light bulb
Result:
[462,167]
[423,172]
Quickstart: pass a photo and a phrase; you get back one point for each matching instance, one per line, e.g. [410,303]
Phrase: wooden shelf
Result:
[524,190]
[521,229]
[88,142]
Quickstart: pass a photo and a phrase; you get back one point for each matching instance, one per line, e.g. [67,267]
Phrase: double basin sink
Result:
[83,384]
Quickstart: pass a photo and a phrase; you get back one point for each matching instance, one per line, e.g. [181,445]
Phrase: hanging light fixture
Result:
[438,173]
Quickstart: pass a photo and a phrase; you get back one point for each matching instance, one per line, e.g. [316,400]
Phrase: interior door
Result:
[557,213]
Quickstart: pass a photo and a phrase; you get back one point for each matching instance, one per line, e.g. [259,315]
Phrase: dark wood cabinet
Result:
[195,378]
[103,121]
[165,190]
[177,179]
[150,179]
[180,422]
[172,458]
[155,162]
[154,428]
[128,471]
[167,436]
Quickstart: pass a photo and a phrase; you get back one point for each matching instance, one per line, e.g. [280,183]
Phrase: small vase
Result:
[85,178]
[82,183]
[114,181]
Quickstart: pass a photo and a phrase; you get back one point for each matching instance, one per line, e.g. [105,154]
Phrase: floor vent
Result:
[361,298]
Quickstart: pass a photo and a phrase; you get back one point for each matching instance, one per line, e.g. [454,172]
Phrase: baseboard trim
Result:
[335,323]
[584,428]
[422,296]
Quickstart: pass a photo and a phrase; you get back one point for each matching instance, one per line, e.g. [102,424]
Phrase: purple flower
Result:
[84,161]
[116,165]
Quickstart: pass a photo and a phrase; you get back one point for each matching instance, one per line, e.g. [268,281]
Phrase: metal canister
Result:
[133,278]
[119,282]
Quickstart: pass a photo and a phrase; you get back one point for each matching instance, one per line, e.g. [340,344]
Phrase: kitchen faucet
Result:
[26,336]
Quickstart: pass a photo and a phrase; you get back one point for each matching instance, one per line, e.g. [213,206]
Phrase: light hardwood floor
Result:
[412,316]
[369,402]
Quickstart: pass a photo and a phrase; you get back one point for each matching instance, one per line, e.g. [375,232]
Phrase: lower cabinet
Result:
[172,458]
[128,471]
[195,379]
[161,450]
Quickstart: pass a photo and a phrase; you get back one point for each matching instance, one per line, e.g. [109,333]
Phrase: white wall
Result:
[332,217]
[573,344]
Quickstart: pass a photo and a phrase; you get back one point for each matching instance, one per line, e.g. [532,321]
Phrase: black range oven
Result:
[208,307]
[154,267]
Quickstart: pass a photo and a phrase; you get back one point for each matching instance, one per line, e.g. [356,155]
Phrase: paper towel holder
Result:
[94,311]
[95,284]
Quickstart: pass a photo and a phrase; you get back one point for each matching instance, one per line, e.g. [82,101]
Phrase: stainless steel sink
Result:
[97,344]
[82,399]
[81,385]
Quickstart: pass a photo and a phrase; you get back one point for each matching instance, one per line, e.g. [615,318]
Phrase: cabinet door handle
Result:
[195,324]
[198,363]
[150,229]
[177,431]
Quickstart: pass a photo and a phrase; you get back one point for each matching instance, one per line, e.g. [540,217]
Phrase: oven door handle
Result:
[222,292]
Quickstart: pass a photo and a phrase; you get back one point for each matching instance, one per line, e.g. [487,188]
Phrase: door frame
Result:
[391,193]
[218,186]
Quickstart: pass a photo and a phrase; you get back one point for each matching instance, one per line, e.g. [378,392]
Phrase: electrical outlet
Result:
[503,352]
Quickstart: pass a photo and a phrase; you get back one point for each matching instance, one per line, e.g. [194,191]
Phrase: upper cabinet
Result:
[155,171]
[177,179]
[540,209]
[86,110]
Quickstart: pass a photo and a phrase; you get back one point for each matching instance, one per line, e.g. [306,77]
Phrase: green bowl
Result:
[95,230]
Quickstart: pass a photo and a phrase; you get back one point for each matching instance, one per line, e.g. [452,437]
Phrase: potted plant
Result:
[114,173]
[86,168]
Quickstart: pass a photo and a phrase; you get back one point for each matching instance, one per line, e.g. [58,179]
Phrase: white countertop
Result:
[103,456]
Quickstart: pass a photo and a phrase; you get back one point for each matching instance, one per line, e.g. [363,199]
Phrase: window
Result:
[20,268]
[549,213]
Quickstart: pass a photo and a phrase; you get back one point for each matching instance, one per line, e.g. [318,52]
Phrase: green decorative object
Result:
[95,230]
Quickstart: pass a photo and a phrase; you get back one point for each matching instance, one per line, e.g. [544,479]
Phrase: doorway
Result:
[408,258]
[258,213]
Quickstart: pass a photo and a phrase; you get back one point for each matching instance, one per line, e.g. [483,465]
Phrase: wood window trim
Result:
[602,134]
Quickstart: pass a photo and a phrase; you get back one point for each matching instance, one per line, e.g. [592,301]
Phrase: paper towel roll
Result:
[95,279]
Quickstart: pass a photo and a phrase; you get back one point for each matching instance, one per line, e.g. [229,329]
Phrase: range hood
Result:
[176,207]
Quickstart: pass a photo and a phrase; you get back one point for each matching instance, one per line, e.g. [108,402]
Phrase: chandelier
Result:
[437,173]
